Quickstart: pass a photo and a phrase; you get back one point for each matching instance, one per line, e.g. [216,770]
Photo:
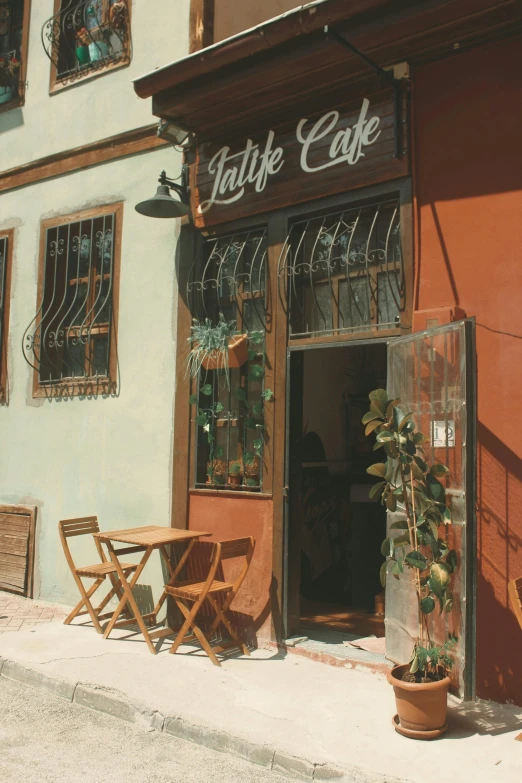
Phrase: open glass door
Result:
[433,373]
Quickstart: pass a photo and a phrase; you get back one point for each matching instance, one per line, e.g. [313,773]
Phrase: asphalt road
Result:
[49,740]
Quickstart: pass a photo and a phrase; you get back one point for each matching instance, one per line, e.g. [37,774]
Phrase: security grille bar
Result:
[87,35]
[69,337]
[343,273]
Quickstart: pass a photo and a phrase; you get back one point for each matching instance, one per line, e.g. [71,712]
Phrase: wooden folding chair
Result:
[99,571]
[515,595]
[207,558]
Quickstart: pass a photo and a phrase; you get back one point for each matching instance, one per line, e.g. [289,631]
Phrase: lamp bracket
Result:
[181,189]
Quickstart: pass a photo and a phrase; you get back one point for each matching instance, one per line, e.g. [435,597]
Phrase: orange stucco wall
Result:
[237,517]
[467,125]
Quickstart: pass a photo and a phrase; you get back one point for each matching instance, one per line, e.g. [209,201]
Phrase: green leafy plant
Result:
[413,488]
[217,471]
[210,341]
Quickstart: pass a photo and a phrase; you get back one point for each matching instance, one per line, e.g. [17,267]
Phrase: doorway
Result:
[335,529]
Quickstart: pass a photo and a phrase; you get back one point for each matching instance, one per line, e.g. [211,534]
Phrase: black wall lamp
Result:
[162,205]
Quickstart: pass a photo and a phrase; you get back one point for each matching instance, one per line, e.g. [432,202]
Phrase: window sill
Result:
[14,103]
[231,493]
[58,87]
[101,387]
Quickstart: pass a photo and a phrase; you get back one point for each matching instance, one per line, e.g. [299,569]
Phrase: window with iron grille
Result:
[228,279]
[6,239]
[87,36]
[70,343]
[343,272]
[13,49]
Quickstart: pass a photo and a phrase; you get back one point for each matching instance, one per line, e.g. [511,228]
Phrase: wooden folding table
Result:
[145,539]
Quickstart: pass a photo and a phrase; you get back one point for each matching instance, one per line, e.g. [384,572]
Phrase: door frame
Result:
[469,678]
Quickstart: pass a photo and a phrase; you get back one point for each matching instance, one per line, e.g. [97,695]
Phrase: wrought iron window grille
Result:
[344,273]
[86,36]
[229,276]
[68,342]
[12,85]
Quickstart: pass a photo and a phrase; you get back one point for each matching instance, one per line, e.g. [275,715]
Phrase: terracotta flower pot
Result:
[235,479]
[421,707]
[237,355]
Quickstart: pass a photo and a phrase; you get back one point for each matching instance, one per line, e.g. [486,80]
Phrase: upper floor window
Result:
[6,251]
[215,20]
[85,37]
[14,23]
[71,341]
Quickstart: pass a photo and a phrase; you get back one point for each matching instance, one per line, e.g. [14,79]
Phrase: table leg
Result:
[128,596]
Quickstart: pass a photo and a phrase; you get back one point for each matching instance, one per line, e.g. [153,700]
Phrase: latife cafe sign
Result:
[323,154]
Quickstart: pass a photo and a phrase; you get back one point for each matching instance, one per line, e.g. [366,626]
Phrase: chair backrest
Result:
[238,547]
[515,594]
[80,526]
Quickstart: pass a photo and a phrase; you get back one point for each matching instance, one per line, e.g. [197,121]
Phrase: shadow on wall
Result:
[499,551]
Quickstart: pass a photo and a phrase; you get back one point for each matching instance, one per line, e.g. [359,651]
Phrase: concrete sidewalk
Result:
[306,719]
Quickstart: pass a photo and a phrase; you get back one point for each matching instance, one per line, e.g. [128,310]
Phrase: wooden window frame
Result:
[76,387]
[4,375]
[55,86]
[19,100]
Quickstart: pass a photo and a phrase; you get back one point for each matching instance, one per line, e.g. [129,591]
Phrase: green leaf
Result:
[385,436]
[416,472]
[419,438]
[452,560]
[439,470]
[404,538]
[416,559]
[376,489]
[397,568]
[258,445]
[219,407]
[379,395]
[414,664]
[427,605]
[267,395]
[446,515]
[256,372]
[382,574]
[250,423]
[206,389]
[256,337]
[257,408]
[391,502]
[370,416]
[439,575]
[193,399]
[252,355]
[400,524]
[386,547]
[201,419]
[397,417]
[391,405]
[422,465]
[379,469]
[373,425]
[404,421]
[218,452]
[436,489]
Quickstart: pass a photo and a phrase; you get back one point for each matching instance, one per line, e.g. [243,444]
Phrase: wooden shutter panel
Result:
[17,526]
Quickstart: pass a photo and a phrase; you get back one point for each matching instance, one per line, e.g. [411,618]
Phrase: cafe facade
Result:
[354,181]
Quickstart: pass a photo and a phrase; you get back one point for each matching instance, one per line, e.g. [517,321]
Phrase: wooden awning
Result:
[280,65]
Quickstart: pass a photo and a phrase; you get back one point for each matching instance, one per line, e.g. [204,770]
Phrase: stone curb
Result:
[114,703]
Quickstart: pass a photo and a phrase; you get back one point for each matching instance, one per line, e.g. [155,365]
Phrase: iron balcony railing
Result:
[86,36]
[69,338]
[343,272]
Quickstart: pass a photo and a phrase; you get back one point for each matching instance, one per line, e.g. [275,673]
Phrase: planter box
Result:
[237,355]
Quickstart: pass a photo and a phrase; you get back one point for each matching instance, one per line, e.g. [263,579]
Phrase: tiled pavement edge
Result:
[114,703]
[17,612]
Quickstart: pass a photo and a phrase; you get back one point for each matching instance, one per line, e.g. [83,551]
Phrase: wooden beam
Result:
[68,161]
[201,24]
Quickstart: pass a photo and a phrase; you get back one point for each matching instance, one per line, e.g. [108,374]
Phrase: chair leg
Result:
[86,595]
[190,623]
[221,617]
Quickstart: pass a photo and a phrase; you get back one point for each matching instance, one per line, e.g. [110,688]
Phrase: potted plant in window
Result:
[235,473]
[9,66]
[216,471]
[216,346]
[413,488]
[83,39]
[252,469]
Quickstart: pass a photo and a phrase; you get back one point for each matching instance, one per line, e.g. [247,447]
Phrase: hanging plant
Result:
[216,347]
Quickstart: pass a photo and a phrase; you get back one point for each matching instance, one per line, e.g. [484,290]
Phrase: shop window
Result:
[71,341]
[6,250]
[87,37]
[228,282]
[343,273]
[14,23]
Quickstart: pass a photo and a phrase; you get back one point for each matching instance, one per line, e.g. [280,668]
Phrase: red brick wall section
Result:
[467,125]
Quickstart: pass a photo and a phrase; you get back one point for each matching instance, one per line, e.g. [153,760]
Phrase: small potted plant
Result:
[235,473]
[413,488]
[83,39]
[216,471]
[216,347]
[9,66]
[252,470]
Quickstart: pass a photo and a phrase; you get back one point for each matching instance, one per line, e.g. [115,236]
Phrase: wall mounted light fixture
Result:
[162,205]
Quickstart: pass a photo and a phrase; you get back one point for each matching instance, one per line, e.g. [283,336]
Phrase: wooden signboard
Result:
[17,529]
[346,147]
